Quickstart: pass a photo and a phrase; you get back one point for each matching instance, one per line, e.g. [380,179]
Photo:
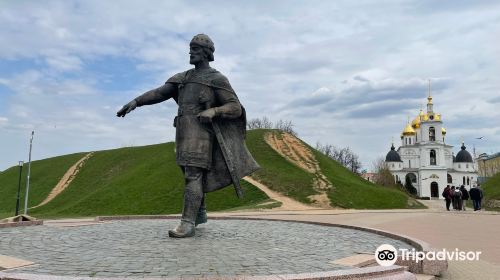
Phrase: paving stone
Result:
[141,248]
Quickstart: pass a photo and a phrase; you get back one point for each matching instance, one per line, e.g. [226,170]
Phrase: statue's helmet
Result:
[207,43]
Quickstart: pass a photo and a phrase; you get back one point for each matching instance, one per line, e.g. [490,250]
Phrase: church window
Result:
[450,179]
[467,166]
[459,166]
[433,157]
[409,163]
[463,180]
[468,181]
[393,165]
[432,134]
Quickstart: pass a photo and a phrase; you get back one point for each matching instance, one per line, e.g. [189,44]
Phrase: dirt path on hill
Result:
[65,180]
[291,148]
[286,202]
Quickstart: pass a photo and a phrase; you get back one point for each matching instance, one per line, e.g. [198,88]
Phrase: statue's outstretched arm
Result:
[153,96]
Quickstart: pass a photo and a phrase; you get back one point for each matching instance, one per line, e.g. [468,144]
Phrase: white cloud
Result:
[341,71]
[64,62]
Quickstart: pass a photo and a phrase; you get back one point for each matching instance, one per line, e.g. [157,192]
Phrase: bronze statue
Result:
[210,132]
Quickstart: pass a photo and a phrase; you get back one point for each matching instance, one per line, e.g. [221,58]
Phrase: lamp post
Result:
[19,186]
[28,177]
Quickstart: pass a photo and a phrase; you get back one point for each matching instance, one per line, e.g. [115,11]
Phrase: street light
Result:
[28,177]
[19,186]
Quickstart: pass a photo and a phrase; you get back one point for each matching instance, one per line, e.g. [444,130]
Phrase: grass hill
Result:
[45,174]
[348,189]
[146,180]
[491,191]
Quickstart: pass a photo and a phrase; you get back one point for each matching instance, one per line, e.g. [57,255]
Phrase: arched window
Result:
[411,178]
[433,157]
[467,165]
[432,134]
[463,180]
[468,182]
[450,179]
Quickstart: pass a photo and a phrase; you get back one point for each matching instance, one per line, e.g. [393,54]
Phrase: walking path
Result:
[286,202]
[467,231]
[295,151]
[65,180]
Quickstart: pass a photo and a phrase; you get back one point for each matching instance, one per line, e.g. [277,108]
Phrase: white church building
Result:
[426,160]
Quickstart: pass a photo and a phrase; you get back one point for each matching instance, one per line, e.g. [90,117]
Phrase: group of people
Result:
[457,196]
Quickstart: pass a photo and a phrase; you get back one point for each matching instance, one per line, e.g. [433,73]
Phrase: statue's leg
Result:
[202,218]
[193,195]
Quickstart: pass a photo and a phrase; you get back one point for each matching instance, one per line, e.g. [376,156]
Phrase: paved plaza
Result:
[141,248]
[440,229]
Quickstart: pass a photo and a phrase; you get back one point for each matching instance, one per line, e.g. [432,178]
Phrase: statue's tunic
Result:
[196,144]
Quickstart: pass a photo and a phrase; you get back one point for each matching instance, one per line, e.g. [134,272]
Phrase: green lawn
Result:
[146,180]
[45,174]
[277,173]
[351,191]
[491,191]
[131,181]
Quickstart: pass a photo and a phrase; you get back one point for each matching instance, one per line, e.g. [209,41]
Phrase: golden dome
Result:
[409,130]
[443,131]
[416,122]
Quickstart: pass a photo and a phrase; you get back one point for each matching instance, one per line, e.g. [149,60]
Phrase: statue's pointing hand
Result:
[207,115]
[129,107]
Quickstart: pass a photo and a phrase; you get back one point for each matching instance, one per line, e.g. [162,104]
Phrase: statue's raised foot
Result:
[184,229]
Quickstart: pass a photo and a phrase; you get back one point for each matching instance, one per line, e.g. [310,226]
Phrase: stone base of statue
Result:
[228,248]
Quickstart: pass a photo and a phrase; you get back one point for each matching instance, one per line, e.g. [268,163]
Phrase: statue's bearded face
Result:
[196,54]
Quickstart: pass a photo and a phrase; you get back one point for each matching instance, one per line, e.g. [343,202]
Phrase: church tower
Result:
[427,161]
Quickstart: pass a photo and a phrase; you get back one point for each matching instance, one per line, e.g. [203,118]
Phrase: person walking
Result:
[457,198]
[447,197]
[480,196]
[453,199]
[476,195]
[465,196]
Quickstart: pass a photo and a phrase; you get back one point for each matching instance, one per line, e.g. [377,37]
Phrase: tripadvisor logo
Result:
[386,255]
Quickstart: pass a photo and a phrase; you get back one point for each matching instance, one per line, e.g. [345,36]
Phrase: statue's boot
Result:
[201,217]
[193,195]
[184,229]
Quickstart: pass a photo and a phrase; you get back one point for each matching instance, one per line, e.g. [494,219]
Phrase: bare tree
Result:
[384,176]
[285,126]
[265,123]
[262,123]
[345,156]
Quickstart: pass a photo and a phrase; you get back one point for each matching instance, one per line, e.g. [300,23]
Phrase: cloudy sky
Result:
[347,73]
